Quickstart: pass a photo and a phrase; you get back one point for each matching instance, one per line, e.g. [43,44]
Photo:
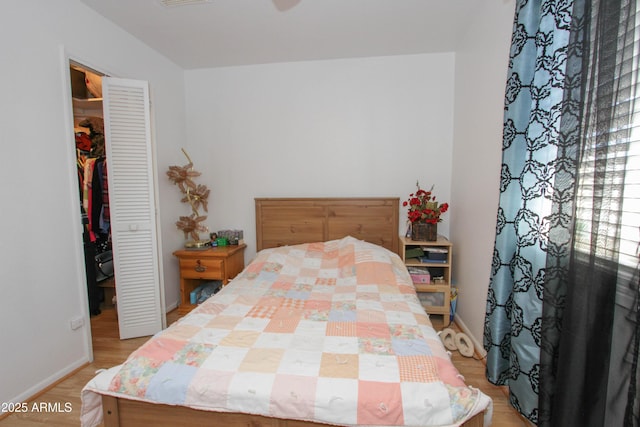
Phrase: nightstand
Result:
[198,266]
[436,258]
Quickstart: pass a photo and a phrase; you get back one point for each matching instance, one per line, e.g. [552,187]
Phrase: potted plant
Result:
[424,214]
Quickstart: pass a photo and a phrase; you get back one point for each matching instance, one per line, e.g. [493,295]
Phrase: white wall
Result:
[481,69]
[352,127]
[42,270]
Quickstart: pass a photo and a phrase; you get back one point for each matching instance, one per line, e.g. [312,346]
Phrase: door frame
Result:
[66,59]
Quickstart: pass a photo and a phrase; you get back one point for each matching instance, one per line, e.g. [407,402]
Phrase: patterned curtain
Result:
[552,296]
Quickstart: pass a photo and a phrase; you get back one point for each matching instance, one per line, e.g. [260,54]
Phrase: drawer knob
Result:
[199,267]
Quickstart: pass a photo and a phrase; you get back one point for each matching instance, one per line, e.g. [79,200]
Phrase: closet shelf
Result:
[87,104]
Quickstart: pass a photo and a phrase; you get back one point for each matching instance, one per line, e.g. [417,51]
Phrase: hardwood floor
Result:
[109,350]
[473,371]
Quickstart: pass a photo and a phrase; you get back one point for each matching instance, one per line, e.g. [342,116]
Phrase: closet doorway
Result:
[93,194]
[119,199]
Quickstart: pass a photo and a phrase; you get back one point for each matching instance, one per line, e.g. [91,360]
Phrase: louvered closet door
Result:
[132,206]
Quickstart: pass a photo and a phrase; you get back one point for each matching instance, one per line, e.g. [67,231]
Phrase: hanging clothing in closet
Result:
[92,174]
[94,201]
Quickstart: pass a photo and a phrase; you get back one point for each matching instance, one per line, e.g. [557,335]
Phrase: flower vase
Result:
[424,231]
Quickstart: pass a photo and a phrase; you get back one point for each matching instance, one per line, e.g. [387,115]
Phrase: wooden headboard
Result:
[291,221]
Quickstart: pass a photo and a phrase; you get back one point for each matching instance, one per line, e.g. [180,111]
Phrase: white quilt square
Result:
[250,392]
[365,304]
[210,336]
[238,310]
[252,324]
[375,367]
[299,362]
[196,319]
[368,288]
[341,345]
[337,400]
[307,342]
[426,404]
[398,317]
[314,263]
[225,358]
[273,340]
[347,296]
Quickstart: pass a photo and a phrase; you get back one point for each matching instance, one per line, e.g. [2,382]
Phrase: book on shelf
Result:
[413,253]
[435,249]
[426,259]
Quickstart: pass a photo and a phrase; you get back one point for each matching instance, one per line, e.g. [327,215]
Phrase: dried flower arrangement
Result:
[194,194]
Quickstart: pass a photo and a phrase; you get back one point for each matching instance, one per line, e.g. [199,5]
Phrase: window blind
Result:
[608,195]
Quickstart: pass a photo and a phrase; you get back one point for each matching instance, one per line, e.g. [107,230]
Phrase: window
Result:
[610,166]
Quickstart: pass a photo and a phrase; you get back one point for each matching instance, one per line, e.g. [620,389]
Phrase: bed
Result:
[323,327]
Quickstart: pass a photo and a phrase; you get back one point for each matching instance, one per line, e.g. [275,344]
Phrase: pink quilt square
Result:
[210,307]
[283,325]
[254,267]
[418,369]
[160,349]
[293,396]
[371,316]
[341,329]
[346,259]
[281,285]
[379,403]
[270,300]
[374,272]
[262,311]
[373,330]
[330,261]
[319,305]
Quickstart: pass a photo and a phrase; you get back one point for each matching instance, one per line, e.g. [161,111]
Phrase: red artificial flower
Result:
[423,207]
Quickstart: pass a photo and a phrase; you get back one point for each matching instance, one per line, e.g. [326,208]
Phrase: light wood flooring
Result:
[109,350]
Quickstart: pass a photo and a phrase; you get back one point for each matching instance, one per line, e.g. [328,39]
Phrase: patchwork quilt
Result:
[329,332]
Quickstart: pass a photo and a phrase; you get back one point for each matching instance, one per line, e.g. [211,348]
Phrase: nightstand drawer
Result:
[201,268]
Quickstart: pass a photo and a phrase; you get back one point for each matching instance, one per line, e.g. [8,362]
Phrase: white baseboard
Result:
[33,391]
[171,307]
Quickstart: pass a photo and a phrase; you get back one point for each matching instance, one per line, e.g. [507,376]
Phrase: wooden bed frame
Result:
[279,222]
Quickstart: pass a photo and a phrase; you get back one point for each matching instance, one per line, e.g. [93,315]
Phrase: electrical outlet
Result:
[77,323]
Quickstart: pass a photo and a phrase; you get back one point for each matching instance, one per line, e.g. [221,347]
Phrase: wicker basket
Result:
[424,231]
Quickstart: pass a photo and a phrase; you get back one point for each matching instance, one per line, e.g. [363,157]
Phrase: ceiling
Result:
[217,33]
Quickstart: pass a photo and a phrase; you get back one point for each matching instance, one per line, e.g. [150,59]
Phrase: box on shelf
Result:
[436,272]
[204,291]
[420,275]
[434,254]
[431,298]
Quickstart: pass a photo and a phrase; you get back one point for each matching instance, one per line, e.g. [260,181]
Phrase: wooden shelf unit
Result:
[436,288]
